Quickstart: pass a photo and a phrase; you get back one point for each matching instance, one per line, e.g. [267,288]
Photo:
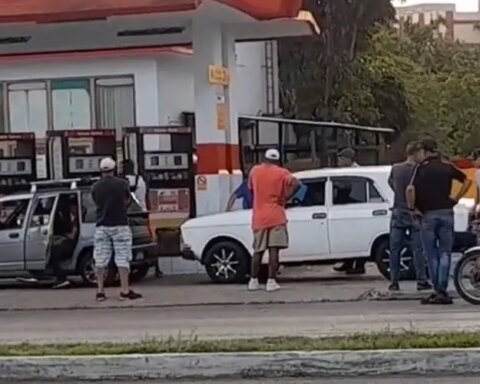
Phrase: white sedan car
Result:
[345,214]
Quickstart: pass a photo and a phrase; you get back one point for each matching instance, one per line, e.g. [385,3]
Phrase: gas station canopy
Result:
[41,26]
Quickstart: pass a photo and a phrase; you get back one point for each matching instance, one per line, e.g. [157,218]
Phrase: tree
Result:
[315,71]
[360,70]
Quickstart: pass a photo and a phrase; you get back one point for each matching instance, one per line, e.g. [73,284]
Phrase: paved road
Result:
[397,380]
[240,321]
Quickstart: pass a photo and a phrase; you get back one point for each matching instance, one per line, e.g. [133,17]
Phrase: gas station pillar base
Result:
[218,167]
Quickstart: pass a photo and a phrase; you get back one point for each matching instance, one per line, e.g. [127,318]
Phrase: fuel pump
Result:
[164,157]
[77,153]
[18,165]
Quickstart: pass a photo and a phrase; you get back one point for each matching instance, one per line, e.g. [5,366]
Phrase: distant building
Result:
[461,26]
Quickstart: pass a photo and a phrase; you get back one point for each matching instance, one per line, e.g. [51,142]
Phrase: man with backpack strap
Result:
[136,182]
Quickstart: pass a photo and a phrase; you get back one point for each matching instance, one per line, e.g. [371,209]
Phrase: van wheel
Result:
[86,269]
[382,259]
[227,262]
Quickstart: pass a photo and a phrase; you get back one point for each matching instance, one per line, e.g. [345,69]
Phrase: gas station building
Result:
[91,64]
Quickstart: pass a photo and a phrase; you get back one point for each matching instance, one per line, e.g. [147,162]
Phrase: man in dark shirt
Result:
[404,229]
[112,235]
[429,199]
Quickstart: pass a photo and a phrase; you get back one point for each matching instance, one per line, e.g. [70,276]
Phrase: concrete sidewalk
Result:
[231,322]
[300,285]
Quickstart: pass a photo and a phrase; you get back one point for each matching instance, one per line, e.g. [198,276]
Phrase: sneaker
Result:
[356,271]
[27,279]
[100,296]
[394,287]
[429,299]
[423,286]
[253,285]
[272,285]
[62,284]
[130,296]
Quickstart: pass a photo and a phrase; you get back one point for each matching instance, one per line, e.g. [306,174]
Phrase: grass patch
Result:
[192,345]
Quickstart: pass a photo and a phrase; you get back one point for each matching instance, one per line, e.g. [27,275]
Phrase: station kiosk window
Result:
[77,153]
[164,157]
[18,166]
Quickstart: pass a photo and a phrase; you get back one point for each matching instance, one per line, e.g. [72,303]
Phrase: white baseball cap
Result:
[107,164]
[272,154]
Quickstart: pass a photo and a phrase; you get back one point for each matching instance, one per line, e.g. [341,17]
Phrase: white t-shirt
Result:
[141,192]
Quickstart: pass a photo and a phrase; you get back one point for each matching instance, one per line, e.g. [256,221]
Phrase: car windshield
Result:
[13,213]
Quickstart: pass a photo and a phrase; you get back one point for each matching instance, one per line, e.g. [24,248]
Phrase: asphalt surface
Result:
[237,321]
[397,380]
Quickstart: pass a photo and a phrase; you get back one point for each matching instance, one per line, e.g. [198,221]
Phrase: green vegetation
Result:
[179,345]
[361,70]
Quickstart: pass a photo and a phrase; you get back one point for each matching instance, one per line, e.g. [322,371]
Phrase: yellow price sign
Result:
[218,75]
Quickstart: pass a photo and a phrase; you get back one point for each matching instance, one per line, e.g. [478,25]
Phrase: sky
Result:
[462,5]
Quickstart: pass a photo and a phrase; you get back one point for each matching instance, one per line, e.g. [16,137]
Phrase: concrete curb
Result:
[243,365]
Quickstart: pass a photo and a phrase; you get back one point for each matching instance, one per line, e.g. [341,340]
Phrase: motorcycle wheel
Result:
[468,270]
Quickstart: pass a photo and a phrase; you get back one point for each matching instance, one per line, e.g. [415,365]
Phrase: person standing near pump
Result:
[405,229]
[429,199]
[112,235]
[346,159]
[136,183]
[272,186]
[242,192]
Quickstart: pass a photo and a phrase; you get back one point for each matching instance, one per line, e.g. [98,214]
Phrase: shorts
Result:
[276,237]
[116,241]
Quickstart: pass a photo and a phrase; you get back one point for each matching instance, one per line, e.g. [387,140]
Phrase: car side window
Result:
[43,211]
[355,190]
[314,194]
[374,195]
[13,214]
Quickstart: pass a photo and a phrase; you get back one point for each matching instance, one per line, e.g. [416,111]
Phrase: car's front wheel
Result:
[227,262]
[382,259]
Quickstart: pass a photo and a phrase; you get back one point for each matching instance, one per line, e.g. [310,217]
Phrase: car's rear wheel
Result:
[382,259]
[227,262]
[86,270]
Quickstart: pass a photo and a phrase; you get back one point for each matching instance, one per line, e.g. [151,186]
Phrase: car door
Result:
[13,214]
[39,231]
[308,225]
[357,215]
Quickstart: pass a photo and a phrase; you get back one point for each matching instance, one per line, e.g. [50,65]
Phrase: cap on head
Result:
[429,144]
[272,154]
[347,153]
[107,164]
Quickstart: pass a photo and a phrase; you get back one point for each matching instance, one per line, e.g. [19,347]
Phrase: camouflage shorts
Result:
[113,241]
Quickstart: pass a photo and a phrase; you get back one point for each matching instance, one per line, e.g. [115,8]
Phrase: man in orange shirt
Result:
[272,187]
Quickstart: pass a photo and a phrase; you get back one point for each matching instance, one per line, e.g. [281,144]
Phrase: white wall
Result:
[163,85]
[143,69]
[175,83]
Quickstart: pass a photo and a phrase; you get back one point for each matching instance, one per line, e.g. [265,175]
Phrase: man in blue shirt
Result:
[242,192]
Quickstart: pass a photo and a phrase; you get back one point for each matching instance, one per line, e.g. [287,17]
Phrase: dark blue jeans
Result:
[438,236]
[405,232]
